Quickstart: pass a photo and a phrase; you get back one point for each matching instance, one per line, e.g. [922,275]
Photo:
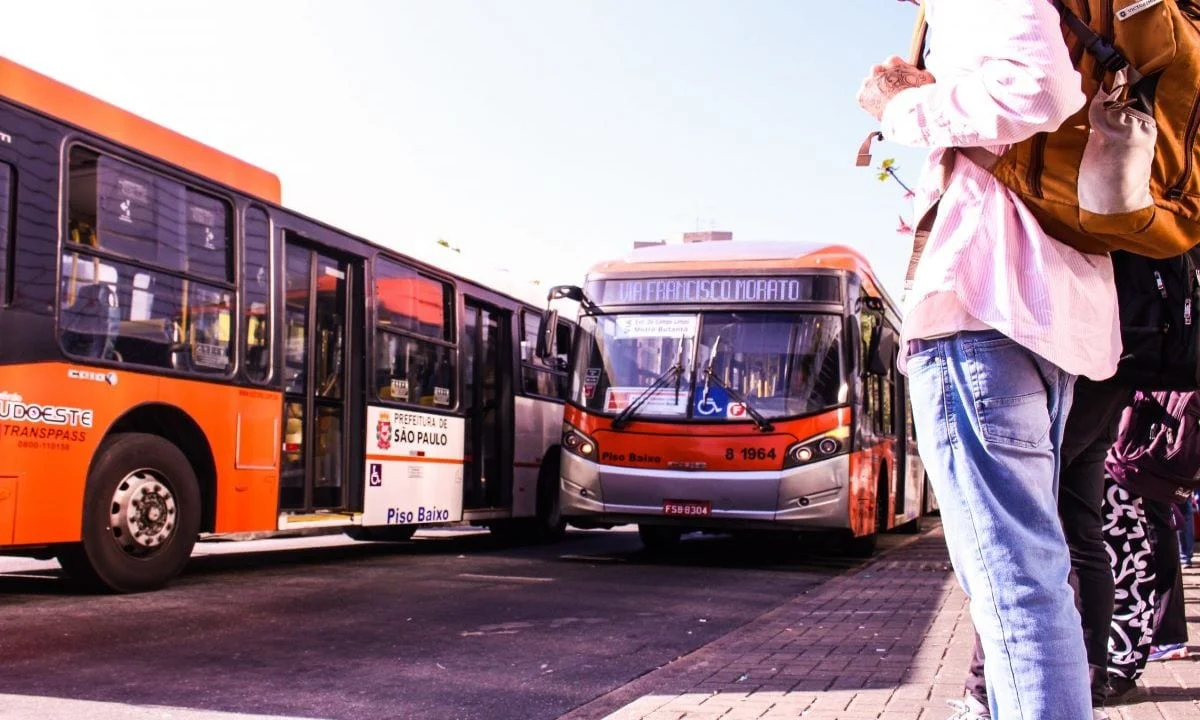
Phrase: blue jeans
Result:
[989,416]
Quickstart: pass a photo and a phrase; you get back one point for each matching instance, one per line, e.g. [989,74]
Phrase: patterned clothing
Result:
[1127,535]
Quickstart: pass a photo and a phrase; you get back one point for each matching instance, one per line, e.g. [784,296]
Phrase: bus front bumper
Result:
[811,496]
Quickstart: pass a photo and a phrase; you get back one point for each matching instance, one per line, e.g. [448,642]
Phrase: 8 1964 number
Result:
[750,453]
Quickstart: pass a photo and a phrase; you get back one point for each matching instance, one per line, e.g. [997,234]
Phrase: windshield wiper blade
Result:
[762,423]
[659,383]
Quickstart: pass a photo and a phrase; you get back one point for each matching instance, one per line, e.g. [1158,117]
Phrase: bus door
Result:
[488,407]
[317,401]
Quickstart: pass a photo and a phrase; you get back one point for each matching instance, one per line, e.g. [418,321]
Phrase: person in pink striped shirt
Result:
[1000,320]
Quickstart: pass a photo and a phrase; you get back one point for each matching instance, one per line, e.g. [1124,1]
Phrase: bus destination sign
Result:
[715,290]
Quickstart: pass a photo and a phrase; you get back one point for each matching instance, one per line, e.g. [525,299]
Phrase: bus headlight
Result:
[577,443]
[821,447]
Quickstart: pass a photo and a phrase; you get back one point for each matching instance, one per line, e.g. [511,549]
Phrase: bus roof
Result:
[39,92]
[734,255]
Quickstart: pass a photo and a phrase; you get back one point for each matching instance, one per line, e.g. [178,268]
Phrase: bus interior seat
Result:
[91,324]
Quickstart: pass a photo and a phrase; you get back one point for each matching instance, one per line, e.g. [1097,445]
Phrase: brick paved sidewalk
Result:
[890,640]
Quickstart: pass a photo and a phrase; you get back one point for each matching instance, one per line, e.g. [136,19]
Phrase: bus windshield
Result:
[779,364]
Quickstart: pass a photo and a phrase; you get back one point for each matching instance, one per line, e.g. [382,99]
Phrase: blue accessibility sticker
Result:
[712,404]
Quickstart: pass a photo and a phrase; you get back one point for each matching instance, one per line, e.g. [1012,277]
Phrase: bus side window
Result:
[887,389]
[256,298]
[545,378]
[562,356]
[6,204]
[125,224]
[562,346]
[415,359]
[870,393]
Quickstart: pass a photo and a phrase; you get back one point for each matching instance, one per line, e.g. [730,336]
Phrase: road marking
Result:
[593,558]
[506,578]
[48,708]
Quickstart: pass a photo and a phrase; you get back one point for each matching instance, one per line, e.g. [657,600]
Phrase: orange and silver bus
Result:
[730,386]
[182,357]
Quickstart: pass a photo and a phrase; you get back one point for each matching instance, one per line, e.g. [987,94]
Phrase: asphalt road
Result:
[450,625]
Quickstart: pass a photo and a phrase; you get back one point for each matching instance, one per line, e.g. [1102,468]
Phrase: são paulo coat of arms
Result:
[383,432]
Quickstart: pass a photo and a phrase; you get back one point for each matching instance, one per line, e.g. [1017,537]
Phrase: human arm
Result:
[1009,77]
[884,82]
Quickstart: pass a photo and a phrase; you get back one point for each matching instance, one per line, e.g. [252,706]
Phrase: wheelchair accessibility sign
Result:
[716,405]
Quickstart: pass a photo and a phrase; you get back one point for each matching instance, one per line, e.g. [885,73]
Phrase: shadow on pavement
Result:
[875,633]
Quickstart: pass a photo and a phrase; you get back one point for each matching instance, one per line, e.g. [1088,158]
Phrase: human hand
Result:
[888,80]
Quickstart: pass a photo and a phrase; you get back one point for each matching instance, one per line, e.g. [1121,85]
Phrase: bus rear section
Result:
[181,358]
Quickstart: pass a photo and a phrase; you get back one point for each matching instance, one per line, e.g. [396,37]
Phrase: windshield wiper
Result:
[675,372]
[755,415]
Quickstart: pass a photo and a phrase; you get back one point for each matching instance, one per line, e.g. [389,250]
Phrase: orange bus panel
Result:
[659,445]
[8,507]
[51,462]
[864,472]
[39,92]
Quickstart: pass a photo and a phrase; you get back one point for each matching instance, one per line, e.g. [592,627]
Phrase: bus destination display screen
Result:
[722,290]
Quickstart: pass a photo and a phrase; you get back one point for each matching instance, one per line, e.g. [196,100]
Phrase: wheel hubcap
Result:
[142,513]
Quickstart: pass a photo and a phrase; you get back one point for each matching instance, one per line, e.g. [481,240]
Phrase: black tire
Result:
[551,525]
[660,538]
[882,499]
[862,547]
[130,546]
[548,524]
[382,533]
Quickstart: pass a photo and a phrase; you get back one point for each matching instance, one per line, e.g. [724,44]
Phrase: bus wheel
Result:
[659,538]
[382,533]
[862,547]
[551,526]
[141,516]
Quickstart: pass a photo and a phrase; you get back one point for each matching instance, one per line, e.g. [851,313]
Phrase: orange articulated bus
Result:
[182,357]
[727,386]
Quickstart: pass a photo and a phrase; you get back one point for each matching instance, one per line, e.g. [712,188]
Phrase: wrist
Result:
[900,120]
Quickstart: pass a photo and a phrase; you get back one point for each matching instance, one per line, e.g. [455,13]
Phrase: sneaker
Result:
[1176,651]
[1099,714]
[969,709]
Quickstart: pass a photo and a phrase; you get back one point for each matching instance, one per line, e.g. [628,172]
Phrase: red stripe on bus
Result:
[413,458]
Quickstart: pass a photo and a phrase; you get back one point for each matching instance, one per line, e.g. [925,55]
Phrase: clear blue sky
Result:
[538,135]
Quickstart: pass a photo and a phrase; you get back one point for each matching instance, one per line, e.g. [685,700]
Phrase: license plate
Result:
[687,508]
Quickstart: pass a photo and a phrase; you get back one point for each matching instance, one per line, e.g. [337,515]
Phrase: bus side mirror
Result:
[853,346]
[566,292]
[547,334]
[883,349]
[872,304]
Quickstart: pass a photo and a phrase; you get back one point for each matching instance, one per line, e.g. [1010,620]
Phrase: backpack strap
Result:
[917,58]
[864,150]
[916,54]
[1106,55]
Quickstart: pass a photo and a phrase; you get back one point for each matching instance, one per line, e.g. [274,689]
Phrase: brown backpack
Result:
[1122,173]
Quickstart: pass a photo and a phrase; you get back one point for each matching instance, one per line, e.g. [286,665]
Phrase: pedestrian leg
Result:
[990,418]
